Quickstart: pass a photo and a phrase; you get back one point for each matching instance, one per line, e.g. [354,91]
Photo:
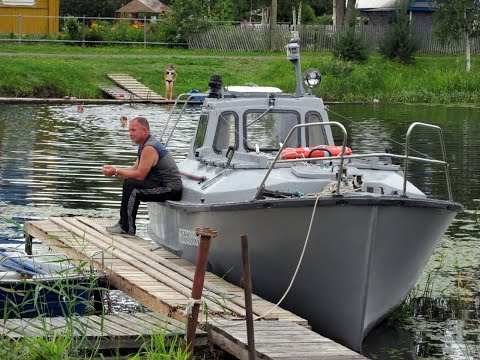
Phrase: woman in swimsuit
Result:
[170,75]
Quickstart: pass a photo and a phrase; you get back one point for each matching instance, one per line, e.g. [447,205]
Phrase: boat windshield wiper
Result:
[261,116]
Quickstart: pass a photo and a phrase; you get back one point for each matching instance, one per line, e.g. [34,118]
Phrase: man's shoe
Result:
[113,227]
[117,230]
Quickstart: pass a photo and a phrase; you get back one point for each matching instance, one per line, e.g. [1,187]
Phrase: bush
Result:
[399,43]
[324,20]
[350,47]
[72,28]
[92,36]
[154,32]
[184,19]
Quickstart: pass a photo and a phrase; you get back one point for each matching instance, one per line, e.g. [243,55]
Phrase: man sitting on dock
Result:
[153,177]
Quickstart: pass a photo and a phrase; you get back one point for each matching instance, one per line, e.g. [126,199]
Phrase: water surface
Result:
[50,165]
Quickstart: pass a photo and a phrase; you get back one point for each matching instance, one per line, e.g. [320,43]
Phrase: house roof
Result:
[146,6]
[389,5]
[376,4]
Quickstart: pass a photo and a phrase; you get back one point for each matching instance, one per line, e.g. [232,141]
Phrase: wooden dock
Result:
[279,340]
[130,84]
[162,282]
[120,331]
[118,93]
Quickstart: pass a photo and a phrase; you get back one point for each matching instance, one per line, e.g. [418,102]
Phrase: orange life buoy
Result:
[313,152]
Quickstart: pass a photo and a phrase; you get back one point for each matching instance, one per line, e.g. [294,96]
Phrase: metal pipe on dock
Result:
[200,269]
[247,288]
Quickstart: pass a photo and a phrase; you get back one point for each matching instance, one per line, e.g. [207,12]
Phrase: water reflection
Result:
[50,160]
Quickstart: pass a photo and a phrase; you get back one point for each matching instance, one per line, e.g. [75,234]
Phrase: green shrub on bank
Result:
[350,46]
[72,28]
[399,42]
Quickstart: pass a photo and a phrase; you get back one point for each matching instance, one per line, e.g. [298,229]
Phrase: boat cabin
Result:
[254,126]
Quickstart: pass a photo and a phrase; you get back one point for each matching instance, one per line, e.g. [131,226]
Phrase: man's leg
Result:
[131,202]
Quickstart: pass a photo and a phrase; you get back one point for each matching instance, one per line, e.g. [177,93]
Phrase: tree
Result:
[399,43]
[91,8]
[321,7]
[350,46]
[340,10]
[185,18]
[224,10]
[457,20]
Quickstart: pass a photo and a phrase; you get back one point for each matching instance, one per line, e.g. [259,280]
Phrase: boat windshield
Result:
[316,135]
[269,131]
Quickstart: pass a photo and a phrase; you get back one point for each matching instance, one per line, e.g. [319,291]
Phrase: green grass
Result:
[62,347]
[78,71]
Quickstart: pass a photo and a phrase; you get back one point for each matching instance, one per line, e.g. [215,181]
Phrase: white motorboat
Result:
[350,229]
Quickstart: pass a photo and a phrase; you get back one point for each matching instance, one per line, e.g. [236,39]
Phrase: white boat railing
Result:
[444,154]
[284,146]
[187,102]
[343,157]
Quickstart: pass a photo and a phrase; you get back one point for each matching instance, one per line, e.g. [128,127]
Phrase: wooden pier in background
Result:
[132,85]
[162,282]
[118,93]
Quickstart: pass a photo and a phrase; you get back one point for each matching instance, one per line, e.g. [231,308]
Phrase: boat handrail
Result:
[189,97]
[284,145]
[343,157]
[444,154]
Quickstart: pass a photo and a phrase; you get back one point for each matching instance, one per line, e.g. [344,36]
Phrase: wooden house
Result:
[29,16]
[382,12]
[136,7]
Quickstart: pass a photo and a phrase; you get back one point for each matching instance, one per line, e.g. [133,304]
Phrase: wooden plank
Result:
[117,92]
[118,331]
[278,339]
[134,86]
[237,295]
[21,326]
[143,261]
[104,325]
[162,281]
[185,277]
[116,280]
[155,324]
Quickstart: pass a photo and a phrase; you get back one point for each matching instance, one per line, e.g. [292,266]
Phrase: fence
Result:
[254,37]
[312,38]
[91,31]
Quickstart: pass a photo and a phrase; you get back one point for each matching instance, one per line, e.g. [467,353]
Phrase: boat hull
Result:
[44,297]
[363,256]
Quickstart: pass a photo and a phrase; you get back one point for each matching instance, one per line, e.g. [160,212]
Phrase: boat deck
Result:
[119,331]
[162,282]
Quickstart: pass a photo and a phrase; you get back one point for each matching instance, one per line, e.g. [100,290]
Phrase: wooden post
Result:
[28,243]
[19,29]
[144,32]
[98,301]
[198,279]
[273,26]
[247,288]
[83,30]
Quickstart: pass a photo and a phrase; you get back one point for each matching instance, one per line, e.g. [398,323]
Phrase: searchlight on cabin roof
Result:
[312,78]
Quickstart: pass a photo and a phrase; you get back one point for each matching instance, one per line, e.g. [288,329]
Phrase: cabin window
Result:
[226,134]
[270,131]
[201,130]
[316,135]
